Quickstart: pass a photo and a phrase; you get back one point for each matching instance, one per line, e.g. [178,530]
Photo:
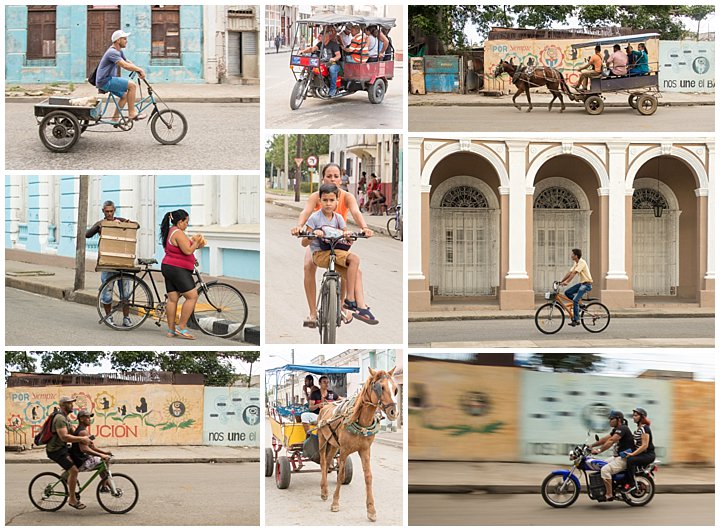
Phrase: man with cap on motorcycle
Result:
[621,439]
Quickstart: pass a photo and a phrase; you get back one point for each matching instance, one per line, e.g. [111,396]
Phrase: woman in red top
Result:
[177,269]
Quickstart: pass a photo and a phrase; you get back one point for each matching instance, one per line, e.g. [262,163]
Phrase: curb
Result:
[535,489]
[148,461]
[614,315]
[388,442]
[249,334]
[176,99]
[567,104]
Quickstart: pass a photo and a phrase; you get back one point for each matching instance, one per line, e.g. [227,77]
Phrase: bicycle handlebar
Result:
[351,236]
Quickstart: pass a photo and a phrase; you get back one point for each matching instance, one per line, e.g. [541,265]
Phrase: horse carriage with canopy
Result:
[642,89]
[288,433]
[369,72]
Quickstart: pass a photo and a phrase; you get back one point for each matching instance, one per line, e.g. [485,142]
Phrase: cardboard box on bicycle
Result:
[118,244]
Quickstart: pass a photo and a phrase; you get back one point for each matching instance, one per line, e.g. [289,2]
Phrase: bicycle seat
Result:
[147,261]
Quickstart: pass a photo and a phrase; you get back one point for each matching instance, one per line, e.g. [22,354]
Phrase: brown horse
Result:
[524,81]
[346,427]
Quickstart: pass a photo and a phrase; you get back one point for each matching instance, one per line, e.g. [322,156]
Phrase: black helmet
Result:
[615,414]
[640,411]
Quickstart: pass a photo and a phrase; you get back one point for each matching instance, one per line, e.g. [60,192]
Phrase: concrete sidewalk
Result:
[672,99]
[377,223]
[155,454]
[54,277]
[445,477]
[169,92]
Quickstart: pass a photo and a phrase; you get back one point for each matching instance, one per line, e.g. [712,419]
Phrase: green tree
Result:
[218,370]
[542,16]
[311,145]
[69,362]
[698,14]
[568,363]
[19,361]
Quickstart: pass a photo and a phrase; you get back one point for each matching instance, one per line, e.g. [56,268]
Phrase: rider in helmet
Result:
[644,450]
[621,439]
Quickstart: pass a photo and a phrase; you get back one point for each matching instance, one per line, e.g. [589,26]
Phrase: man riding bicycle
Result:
[577,291]
[109,80]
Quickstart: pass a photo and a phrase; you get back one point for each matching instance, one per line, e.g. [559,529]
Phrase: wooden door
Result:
[101,24]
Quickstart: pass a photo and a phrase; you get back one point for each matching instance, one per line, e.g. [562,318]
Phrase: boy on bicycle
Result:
[347,263]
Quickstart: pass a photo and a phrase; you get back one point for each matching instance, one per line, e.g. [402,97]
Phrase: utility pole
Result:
[298,155]
[293,372]
[82,213]
[287,174]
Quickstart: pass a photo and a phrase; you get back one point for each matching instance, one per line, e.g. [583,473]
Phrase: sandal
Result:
[350,305]
[309,322]
[366,316]
[139,117]
[347,317]
[184,334]
[79,506]
[170,333]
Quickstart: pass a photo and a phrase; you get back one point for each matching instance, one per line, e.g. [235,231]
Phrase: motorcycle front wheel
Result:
[556,494]
[298,93]
[643,494]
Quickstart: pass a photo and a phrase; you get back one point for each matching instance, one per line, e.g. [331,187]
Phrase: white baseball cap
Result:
[119,34]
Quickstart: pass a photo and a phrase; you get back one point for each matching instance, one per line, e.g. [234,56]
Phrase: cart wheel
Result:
[647,105]
[84,125]
[269,462]
[594,105]
[282,472]
[632,100]
[376,92]
[59,131]
[348,471]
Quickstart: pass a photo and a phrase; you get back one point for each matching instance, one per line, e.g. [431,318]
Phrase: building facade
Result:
[174,44]
[494,220]
[41,215]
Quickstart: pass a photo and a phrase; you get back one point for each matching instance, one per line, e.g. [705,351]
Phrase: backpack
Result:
[92,79]
[45,434]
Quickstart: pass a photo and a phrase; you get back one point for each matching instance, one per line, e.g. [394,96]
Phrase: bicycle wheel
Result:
[168,126]
[393,229]
[595,317]
[130,302]
[549,318]
[125,497]
[328,312]
[48,492]
[221,310]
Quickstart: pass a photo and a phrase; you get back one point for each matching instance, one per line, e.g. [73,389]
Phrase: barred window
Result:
[647,198]
[464,197]
[41,32]
[557,197]
[165,32]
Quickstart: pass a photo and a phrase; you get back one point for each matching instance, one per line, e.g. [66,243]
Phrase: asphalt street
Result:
[300,504]
[381,261]
[221,136]
[530,509]
[503,119]
[521,333]
[352,112]
[170,494]
[56,322]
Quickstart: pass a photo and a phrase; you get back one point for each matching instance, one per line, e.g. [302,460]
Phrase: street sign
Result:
[298,161]
[312,161]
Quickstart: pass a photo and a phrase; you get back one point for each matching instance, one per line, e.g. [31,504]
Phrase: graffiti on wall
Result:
[124,414]
[462,412]
[687,66]
[232,416]
[557,54]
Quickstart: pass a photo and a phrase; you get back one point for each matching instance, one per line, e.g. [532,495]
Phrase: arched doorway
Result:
[561,221]
[464,219]
[655,239]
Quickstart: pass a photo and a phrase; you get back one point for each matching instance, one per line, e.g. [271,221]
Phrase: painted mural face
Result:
[251,415]
[177,409]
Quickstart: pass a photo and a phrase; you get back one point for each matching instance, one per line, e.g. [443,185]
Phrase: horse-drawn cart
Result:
[288,434]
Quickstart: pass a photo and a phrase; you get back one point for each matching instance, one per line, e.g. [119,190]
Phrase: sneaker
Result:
[127,322]
[365,316]
[574,323]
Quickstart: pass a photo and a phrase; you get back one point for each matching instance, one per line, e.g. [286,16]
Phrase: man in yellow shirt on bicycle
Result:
[577,291]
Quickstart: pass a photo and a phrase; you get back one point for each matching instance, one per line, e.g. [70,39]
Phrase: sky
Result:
[707,25]
[277,356]
[702,364]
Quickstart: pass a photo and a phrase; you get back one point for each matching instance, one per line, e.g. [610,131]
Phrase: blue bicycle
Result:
[62,119]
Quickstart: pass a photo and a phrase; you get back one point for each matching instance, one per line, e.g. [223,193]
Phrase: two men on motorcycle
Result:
[621,439]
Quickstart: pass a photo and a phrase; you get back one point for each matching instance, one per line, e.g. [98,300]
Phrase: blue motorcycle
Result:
[561,488]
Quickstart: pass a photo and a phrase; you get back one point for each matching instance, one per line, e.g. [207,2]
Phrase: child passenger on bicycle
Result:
[347,263]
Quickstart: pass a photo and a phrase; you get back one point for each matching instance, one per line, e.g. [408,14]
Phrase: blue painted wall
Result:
[241,263]
[68,214]
[172,192]
[69,64]
[8,241]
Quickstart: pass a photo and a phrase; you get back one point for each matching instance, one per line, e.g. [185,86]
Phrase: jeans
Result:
[334,70]
[638,460]
[106,295]
[576,293]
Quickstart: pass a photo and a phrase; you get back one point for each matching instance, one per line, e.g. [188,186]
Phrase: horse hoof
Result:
[372,517]
[335,508]
[530,109]
[324,497]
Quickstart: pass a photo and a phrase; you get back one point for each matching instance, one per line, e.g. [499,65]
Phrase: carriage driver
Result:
[595,65]
[318,399]
[108,79]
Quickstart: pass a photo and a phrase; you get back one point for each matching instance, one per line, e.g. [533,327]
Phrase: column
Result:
[418,294]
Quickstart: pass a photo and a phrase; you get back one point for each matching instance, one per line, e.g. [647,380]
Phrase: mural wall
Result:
[463,412]
[125,415]
[687,66]
[232,416]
